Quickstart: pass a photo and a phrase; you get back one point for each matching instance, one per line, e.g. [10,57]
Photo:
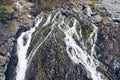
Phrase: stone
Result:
[2,61]
[3,49]
[98,18]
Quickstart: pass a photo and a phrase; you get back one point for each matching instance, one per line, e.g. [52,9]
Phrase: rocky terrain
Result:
[51,61]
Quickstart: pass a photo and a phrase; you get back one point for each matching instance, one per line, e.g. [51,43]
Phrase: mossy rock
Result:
[39,36]
[5,12]
[86,33]
[78,27]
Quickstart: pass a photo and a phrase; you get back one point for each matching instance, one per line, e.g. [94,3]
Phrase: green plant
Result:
[78,27]
[4,13]
[87,32]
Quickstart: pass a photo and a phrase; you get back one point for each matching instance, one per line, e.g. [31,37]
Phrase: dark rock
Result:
[20,30]
[11,67]
[51,62]
[2,60]
[109,49]
[3,50]
[68,13]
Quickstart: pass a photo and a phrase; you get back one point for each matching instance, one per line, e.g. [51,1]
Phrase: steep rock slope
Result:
[108,48]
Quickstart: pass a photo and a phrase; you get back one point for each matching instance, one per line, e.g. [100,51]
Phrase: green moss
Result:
[78,27]
[66,20]
[6,2]
[101,69]
[4,13]
[89,46]
[71,23]
[53,15]
[87,32]
[39,36]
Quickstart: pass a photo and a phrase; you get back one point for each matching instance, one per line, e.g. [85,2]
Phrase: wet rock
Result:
[51,62]
[11,67]
[88,10]
[98,18]
[3,50]
[109,49]
[2,61]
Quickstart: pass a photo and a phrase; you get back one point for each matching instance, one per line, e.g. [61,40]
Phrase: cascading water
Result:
[76,46]
[79,54]
[21,51]
[23,43]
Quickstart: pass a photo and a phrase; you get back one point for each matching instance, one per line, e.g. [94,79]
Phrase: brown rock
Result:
[2,60]
[1,69]
[3,49]
[9,42]
[98,18]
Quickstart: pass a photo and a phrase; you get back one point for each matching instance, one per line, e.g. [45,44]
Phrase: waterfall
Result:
[76,45]
[23,43]
[79,54]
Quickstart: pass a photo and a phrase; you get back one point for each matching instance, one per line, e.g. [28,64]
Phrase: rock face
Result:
[20,22]
[6,43]
[109,48]
[51,61]
[112,7]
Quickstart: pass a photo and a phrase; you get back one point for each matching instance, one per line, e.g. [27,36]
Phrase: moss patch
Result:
[39,36]
[87,32]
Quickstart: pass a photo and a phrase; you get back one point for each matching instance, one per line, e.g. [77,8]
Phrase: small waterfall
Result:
[21,51]
[32,53]
[79,54]
[23,43]
[76,45]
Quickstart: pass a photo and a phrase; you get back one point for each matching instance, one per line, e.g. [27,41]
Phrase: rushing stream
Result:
[23,44]
[79,50]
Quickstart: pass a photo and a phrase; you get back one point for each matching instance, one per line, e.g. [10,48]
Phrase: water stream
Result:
[79,54]
[76,46]
[23,43]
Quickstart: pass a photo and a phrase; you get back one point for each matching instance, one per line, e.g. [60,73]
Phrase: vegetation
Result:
[6,2]
[87,32]
[39,36]
[48,4]
[5,10]
[4,13]
[103,70]
[78,27]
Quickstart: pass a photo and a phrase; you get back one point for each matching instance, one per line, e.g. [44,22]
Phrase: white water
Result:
[32,53]
[22,51]
[77,53]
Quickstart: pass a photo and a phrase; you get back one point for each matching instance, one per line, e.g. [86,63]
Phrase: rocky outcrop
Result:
[20,22]
[6,43]
[51,61]
[109,49]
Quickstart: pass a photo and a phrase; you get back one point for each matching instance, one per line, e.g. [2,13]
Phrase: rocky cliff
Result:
[51,61]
